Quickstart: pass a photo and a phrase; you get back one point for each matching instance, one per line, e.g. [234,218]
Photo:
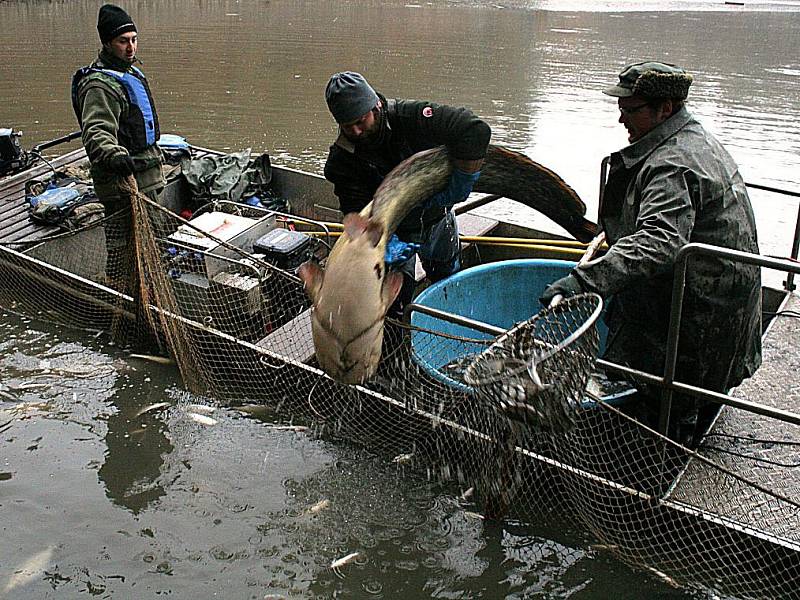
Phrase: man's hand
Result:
[121,164]
[566,286]
[398,251]
[125,164]
[458,188]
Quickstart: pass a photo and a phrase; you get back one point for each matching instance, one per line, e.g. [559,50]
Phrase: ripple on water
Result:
[221,553]
[373,587]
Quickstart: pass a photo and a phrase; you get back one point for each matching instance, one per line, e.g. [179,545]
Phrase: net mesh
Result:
[510,416]
[538,371]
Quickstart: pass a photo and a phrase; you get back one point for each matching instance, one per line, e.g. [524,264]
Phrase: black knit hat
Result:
[349,96]
[113,21]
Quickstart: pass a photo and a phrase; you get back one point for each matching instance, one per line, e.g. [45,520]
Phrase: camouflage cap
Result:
[651,80]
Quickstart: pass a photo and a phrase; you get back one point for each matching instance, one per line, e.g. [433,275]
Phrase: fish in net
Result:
[536,373]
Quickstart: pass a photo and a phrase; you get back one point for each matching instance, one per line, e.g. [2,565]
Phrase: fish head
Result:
[350,300]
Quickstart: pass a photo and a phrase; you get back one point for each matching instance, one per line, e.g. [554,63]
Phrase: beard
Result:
[375,136]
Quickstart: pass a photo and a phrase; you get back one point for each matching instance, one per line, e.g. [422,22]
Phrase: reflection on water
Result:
[135,449]
[189,509]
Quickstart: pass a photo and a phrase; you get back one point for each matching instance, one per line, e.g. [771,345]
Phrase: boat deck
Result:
[730,443]
[16,229]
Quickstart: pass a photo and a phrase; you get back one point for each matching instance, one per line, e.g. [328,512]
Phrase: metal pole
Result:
[789,283]
[452,318]
[678,288]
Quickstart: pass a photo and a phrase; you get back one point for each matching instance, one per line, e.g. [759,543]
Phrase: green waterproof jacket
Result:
[676,185]
[103,103]
[407,127]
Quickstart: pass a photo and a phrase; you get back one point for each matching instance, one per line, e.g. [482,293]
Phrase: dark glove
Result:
[566,286]
[121,164]
[398,251]
[458,188]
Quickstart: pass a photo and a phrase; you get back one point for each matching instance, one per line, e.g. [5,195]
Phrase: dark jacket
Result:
[408,127]
[676,185]
[111,126]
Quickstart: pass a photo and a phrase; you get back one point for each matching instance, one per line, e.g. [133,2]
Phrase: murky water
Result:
[97,498]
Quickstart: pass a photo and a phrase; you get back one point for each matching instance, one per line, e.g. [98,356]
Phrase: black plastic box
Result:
[284,248]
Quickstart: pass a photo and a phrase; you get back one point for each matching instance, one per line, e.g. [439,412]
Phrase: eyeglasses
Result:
[633,109]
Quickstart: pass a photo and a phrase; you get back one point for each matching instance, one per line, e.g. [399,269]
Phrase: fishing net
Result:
[537,372]
[520,418]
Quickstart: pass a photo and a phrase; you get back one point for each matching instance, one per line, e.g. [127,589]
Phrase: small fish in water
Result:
[297,428]
[31,386]
[318,507]
[30,569]
[473,515]
[255,410]
[202,419]
[341,562]
[21,407]
[200,408]
[467,494]
[160,360]
[598,547]
[150,408]
[664,577]
[402,459]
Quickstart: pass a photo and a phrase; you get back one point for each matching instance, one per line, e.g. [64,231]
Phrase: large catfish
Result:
[352,296]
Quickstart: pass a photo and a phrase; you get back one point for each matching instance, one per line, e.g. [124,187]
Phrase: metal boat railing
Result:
[670,362]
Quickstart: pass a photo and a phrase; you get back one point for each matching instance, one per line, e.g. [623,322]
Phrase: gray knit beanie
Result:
[349,96]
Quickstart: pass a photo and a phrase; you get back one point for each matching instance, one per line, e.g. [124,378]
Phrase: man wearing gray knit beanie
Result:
[375,135]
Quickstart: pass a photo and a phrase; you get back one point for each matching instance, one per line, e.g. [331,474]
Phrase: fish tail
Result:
[515,176]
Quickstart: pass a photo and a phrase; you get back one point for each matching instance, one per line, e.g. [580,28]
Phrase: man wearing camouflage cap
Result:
[674,184]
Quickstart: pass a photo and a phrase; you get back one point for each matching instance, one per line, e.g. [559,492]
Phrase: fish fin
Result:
[356,225]
[391,287]
[313,276]
[374,231]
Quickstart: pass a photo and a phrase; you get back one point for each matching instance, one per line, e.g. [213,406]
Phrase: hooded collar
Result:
[643,147]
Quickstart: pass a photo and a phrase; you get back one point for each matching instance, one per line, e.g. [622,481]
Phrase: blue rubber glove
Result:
[458,188]
[566,286]
[398,251]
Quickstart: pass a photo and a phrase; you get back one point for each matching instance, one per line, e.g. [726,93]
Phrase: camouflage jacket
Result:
[676,185]
[102,100]
[408,127]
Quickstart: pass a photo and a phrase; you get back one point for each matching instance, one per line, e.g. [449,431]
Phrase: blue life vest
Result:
[138,129]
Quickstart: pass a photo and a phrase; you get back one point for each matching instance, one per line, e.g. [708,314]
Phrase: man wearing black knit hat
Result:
[674,184]
[119,129]
[375,135]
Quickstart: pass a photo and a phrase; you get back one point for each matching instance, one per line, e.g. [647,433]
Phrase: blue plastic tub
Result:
[500,294]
